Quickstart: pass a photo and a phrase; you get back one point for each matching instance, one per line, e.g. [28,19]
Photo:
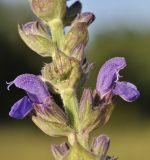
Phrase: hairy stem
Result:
[57,31]
[71,106]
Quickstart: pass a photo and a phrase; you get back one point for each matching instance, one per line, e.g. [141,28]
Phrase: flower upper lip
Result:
[108,80]
[37,93]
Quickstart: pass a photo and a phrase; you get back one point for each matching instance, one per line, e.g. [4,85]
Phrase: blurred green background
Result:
[129,127]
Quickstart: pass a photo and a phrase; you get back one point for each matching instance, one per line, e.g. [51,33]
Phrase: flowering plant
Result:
[69,69]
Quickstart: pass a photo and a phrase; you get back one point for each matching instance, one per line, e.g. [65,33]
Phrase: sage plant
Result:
[64,75]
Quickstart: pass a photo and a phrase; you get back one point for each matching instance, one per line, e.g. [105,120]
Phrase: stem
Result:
[57,31]
[71,106]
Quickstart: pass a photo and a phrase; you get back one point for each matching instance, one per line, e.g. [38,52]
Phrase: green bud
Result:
[77,35]
[49,9]
[37,38]
[62,73]
[72,12]
[60,151]
[51,120]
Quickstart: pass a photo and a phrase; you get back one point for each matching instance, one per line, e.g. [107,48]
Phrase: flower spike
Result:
[65,73]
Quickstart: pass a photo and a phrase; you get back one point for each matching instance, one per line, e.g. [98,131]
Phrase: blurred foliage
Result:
[129,127]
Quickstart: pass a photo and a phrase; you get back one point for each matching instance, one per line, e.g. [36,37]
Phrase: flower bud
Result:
[86,17]
[60,151]
[37,38]
[49,9]
[100,145]
[77,35]
[72,12]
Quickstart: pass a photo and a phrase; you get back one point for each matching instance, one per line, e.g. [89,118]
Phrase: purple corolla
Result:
[108,81]
[37,94]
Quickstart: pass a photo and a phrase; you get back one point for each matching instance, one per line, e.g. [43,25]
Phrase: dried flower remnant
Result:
[75,117]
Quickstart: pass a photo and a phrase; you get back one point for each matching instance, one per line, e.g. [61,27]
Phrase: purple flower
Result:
[37,93]
[107,81]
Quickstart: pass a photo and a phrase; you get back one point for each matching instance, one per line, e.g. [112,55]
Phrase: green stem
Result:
[57,31]
[71,106]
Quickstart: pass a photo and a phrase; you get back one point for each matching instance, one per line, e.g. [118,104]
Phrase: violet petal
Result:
[108,74]
[33,85]
[21,108]
[126,91]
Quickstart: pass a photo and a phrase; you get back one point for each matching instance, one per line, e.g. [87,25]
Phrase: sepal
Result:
[78,53]
[93,113]
[78,34]
[89,116]
[51,120]
[105,106]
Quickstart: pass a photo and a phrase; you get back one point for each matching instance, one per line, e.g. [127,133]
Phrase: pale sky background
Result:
[133,14]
